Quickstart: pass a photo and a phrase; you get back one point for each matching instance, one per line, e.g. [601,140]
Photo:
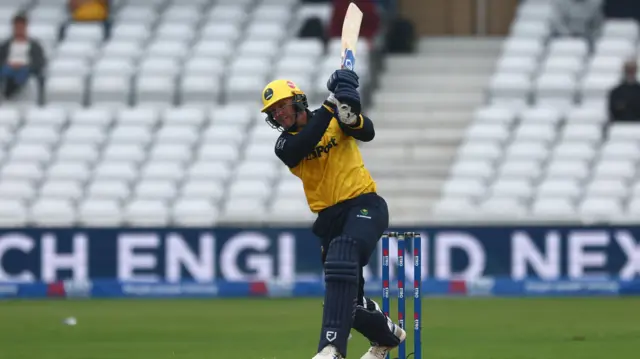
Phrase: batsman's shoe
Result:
[329,352]
[380,352]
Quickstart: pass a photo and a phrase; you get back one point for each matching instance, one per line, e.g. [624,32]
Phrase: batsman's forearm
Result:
[362,130]
[302,144]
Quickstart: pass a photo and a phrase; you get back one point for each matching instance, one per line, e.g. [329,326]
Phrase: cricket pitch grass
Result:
[465,328]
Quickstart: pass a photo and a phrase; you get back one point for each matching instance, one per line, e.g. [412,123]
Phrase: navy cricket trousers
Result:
[364,218]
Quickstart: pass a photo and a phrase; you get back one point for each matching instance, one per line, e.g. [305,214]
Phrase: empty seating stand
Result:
[541,146]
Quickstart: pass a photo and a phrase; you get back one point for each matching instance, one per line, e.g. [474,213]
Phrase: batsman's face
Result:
[284,113]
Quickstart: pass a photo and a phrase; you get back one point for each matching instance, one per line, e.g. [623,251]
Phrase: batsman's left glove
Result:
[342,77]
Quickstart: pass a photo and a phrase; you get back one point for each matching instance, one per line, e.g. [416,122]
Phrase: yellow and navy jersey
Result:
[324,154]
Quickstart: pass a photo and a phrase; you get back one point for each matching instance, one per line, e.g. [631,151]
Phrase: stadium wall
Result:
[236,262]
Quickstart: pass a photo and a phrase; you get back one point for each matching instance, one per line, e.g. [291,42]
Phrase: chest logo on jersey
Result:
[319,150]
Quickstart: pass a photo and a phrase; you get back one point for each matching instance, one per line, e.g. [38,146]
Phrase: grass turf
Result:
[587,328]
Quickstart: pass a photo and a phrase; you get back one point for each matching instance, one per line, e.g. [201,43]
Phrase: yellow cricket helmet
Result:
[280,89]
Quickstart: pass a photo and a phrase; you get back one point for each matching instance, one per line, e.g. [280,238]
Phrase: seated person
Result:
[624,99]
[20,57]
[577,18]
[89,11]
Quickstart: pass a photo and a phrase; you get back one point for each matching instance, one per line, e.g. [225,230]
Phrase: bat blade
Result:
[350,34]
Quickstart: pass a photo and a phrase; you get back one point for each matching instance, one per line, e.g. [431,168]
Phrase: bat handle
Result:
[348,60]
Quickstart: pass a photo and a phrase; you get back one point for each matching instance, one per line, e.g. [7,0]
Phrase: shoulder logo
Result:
[268,94]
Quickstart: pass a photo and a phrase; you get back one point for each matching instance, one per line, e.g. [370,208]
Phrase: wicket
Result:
[417,280]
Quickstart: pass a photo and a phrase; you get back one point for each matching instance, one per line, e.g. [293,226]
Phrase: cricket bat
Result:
[350,34]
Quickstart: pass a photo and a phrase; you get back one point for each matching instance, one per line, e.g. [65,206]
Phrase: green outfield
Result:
[288,329]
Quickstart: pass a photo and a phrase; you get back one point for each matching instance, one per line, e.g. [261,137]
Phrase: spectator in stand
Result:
[90,11]
[578,18]
[20,58]
[624,99]
[622,9]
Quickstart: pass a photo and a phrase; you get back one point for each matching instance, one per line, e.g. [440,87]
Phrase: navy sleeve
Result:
[291,149]
[362,130]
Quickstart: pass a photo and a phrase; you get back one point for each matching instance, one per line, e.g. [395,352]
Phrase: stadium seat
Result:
[126,171]
[289,210]
[520,169]
[195,212]
[120,66]
[567,187]
[155,189]
[186,13]
[551,209]
[243,211]
[574,169]
[117,190]
[202,188]
[84,32]
[173,152]
[13,213]
[503,208]
[52,212]
[32,134]
[133,153]
[61,189]
[209,170]
[126,47]
[97,212]
[568,47]
[162,170]
[146,213]
[110,90]
[66,91]
[17,190]
[620,28]
[63,170]
[81,152]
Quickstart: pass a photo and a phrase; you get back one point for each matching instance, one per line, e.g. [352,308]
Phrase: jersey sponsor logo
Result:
[319,150]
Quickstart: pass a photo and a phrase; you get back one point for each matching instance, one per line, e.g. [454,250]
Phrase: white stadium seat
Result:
[174,152]
[17,190]
[147,213]
[202,189]
[109,189]
[76,171]
[110,90]
[209,170]
[52,212]
[97,212]
[194,213]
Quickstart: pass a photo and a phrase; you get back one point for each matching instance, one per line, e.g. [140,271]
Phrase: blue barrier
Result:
[287,254]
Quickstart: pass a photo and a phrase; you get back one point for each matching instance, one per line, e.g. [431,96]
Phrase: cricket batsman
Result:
[320,148]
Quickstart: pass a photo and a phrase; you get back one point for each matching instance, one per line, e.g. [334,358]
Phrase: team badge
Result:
[268,94]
